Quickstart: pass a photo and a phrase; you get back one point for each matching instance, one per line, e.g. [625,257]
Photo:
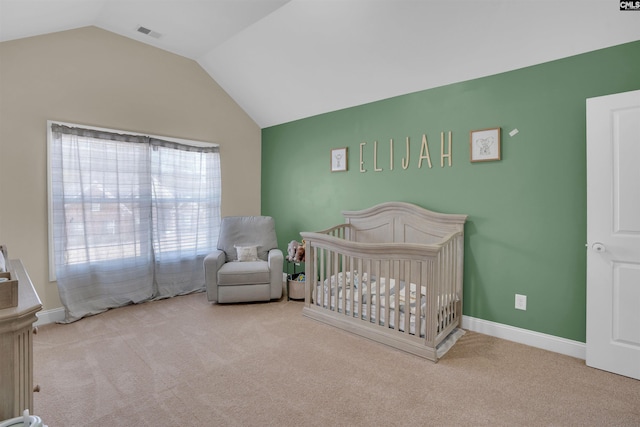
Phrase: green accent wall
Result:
[526,231]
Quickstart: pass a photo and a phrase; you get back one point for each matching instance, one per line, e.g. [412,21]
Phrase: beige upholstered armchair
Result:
[248,264]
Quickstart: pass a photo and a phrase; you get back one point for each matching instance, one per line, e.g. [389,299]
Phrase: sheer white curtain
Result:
[186,214]
[132,217]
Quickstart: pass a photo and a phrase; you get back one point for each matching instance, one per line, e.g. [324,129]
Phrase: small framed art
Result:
[485,145]
[339,159]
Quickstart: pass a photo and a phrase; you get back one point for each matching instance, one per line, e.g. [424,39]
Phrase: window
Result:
[131,216]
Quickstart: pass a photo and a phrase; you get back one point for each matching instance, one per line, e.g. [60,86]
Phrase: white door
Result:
[613,233]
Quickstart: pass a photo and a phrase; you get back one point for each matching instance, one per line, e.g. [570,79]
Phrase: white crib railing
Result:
[384,311]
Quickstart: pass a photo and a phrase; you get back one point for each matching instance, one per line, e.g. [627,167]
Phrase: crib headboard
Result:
[401,222]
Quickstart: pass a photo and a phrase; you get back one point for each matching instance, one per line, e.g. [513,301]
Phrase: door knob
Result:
[598,247]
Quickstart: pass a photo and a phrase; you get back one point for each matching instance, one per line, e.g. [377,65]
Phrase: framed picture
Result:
[485,145]
[339,159]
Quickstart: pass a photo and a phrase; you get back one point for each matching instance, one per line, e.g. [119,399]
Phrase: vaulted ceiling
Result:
[282,60]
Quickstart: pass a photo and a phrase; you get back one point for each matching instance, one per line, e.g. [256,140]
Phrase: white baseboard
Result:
[50,316]
[523,336]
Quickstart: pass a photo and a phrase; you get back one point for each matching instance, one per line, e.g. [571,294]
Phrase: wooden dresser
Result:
[16,347]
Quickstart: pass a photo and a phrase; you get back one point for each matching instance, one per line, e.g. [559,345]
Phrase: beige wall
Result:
[94,77]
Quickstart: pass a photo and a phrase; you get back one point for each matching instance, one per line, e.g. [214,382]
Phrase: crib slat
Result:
[449,282]
[430,317]
[445,289]
[420,298]
[310,283]
[347,289]
[322,289]
[358,312]
[370,297]
[373,284]
[383,274]
[344,288]
[407,298]
[445,310]
[439,293]
[336,285]
[335,271]
[328,278]
[396,305]
[380,308]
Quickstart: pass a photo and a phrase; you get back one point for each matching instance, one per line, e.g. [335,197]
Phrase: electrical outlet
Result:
[521,302]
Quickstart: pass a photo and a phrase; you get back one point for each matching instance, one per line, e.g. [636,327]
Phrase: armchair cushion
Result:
[242,273]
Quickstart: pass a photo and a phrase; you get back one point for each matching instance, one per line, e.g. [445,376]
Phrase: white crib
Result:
[392,273]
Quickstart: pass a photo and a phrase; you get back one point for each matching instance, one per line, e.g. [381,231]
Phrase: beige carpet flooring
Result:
[185,362]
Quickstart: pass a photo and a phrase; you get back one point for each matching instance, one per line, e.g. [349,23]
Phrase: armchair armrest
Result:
[212,264]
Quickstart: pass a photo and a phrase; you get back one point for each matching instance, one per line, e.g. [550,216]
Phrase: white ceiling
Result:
[283,60]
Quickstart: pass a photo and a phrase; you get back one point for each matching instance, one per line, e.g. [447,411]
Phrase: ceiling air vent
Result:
[148,32]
